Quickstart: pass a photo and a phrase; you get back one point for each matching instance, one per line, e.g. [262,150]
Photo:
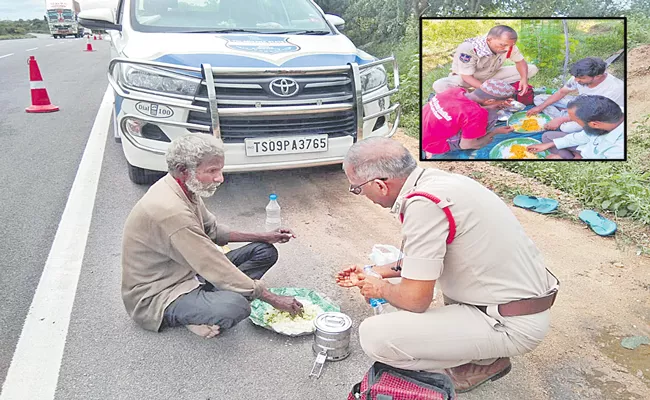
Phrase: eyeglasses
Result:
[357,189]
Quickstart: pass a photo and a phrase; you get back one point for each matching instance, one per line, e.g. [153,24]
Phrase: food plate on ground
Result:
[523,124]
[265,315]
[515,149]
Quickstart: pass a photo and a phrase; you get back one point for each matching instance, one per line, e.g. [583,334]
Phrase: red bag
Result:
[383,382]
[527,98]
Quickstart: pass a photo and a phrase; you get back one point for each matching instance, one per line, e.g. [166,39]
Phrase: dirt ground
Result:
[638,85]
[605,289]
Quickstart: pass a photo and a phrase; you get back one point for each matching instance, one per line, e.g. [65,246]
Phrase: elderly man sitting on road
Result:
[460,235]
[173,271]
[458,120]
[602,136]
[481,58]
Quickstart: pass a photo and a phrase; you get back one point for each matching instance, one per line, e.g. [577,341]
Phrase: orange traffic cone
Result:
[40,99]
[100,37]
[89,46]
[94,37]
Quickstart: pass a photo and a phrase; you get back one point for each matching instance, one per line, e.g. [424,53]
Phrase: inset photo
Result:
[523,89]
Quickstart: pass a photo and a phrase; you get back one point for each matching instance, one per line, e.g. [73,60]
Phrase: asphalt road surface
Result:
[40,157]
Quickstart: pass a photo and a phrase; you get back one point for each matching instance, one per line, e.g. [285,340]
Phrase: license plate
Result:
[285,145]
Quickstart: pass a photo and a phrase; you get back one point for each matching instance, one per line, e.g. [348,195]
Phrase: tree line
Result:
[374,22]
[23,27]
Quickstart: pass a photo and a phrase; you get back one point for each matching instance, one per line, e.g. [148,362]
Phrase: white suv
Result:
[274,79]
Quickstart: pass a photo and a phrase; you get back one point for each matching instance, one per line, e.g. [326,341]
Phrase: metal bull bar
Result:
[208,72]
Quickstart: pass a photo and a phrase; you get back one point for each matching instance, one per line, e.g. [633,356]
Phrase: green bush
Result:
[11,37]
[408,60]
[638,29]
[21,27]
[408,94]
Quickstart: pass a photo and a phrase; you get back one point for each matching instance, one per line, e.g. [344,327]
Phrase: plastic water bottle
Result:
[376,304]
[273,217]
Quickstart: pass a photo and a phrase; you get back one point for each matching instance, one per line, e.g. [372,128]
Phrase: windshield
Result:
[59,15]
[257,16]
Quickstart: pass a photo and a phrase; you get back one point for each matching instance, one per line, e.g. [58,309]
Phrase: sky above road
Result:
[30,9]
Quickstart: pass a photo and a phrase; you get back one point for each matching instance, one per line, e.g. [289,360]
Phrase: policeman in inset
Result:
[481,58]
[462,237]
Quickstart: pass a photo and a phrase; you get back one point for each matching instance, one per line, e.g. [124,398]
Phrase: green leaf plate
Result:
[518,117]
[259,308]
[497,151]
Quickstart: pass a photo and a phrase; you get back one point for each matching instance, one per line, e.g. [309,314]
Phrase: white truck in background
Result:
[62,18]
[274,79]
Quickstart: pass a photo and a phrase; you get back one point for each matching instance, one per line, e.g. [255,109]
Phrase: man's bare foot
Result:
[206,331]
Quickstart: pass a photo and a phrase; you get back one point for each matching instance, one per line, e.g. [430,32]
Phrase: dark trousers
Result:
[207,305]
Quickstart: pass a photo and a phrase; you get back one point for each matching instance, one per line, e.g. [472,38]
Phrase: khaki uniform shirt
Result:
[168,240]
[470,61]
[491,260]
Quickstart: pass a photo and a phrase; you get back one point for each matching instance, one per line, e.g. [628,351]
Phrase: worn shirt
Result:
[475,58]
[612,88]
[610,146]
[491,260]
[448,113]
[168,239]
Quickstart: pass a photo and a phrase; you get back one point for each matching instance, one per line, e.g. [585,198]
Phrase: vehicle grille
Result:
[241,92]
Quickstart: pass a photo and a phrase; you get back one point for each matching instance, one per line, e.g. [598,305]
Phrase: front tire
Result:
[141,176]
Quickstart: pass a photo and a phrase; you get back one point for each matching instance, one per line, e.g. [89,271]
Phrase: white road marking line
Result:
[35,48]
[7,55]
[51,44]
[34,369]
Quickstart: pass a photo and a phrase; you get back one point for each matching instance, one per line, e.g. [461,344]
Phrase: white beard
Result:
[201,189]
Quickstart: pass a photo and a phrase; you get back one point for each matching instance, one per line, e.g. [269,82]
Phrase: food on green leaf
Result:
[283,322]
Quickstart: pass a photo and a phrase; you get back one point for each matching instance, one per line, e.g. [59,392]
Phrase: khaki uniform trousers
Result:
[448,336]
[508,74]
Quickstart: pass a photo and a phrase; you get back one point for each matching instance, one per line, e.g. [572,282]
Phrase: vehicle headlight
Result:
[149,79]
[372,78]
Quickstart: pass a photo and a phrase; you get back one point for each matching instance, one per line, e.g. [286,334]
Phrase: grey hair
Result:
[379,157]
[501,30]
[189,151]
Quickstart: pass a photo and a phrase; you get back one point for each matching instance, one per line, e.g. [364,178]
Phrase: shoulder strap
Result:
[445,209]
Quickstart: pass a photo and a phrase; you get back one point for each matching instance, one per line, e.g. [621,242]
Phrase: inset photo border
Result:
[533,89]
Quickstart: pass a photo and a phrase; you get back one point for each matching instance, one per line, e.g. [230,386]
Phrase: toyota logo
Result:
[284,87]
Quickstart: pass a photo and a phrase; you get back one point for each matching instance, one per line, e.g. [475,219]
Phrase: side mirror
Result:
[335,20]
[99,18]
